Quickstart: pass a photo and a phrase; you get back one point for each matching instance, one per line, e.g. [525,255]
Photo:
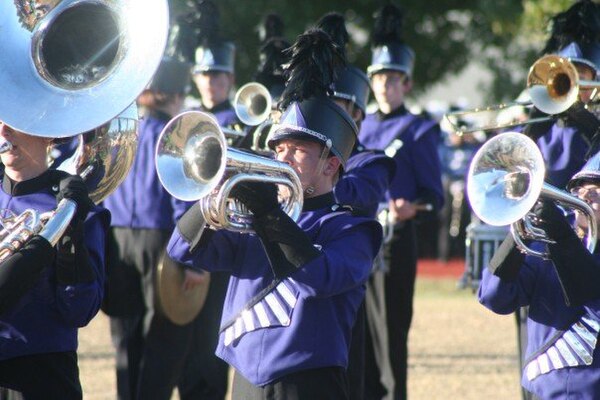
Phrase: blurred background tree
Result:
[504,36]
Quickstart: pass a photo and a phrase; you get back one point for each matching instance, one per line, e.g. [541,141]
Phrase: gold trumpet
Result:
[553,85]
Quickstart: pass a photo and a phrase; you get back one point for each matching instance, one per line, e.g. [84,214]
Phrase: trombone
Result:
[553,85]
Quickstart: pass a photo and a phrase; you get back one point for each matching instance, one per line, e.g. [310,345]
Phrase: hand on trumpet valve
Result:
[549,218]
[259,197]
[74,188]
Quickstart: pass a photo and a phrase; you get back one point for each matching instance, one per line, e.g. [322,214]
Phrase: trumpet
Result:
[252,105]
[193,163]
[553,85]
[506,179]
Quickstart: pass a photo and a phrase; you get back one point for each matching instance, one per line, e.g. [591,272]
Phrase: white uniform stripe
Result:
[248,321]
[228,336]
[555,358]
[287,294]
[261,314]
[238,328]
[277,309]
[566,352]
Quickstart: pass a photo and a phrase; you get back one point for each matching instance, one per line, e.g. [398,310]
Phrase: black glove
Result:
[507,260]
[73,263]
[581,118]
[551,220]
[538,129]
[192,227]
[259,197]
[73,188]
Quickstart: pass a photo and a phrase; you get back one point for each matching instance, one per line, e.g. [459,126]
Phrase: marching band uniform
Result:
[205,375]
[143,217]
[49,292]
[295,287]
[561,359]
[363,185]
[412,141]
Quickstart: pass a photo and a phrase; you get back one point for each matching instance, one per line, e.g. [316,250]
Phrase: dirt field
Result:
[458,349]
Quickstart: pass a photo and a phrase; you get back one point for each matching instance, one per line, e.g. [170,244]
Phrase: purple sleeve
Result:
[364,187]
[218,254]
[345,261]
[427,168]
[504,297]
[79,303]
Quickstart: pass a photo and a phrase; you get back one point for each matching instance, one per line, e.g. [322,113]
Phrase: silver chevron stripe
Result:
[274,309]
[574,347]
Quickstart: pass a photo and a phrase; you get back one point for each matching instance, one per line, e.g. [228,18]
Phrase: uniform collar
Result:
[318,202]
[29,186]
[394,113]
[160,115]
[226,105]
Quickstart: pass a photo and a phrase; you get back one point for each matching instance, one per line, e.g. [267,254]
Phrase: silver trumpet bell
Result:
[69,66]
[194,163]
[252,104]
[506,179]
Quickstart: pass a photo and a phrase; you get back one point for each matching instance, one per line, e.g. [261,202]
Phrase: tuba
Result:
[71,66]
[506,179]
[194,163]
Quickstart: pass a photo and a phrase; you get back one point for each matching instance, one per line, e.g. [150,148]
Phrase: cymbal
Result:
[178,305]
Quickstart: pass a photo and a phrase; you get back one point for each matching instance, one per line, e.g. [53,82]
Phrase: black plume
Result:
[314,58]
[334,24]
[388,25]
[182,41]
[271,26]
[580,23]
[207,20]
[272,59]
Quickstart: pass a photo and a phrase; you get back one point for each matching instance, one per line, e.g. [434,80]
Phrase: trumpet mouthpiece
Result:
[5,146]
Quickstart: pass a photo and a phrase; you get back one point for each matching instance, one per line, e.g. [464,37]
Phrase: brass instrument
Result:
[194,163]
[506,179]
[252,105]
[71,66]
[553,86]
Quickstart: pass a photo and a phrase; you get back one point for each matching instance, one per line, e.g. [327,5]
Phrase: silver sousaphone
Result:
[74,67]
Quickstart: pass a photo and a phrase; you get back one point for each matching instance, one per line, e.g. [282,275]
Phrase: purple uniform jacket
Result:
[538,287]
[364,183]
[141,202]
[563,149]
[224,113]
[415,141]
[45,319]
[305,321]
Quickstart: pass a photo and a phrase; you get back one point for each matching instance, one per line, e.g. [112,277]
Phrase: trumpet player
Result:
[46,292]
[561,360]
[296,286]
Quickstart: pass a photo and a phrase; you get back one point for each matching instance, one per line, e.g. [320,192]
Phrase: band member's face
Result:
[590,193]
[303,156]
[587,74]
[28,151]
[214,87]
[390,88]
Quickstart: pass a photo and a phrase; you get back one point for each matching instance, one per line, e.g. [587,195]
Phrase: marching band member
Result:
[364,183]
[150,349]
[295,287]
[412,141]
[213,72]
[47,293]
[204,375]
[561,359]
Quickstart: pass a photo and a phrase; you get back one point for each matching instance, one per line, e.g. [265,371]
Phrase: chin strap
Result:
[310,189]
